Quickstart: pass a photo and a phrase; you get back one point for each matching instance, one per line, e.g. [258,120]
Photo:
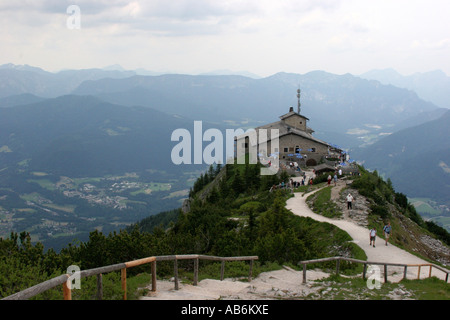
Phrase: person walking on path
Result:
[349,201]
[335,179]
[329,179]
[387,232]
[372,235]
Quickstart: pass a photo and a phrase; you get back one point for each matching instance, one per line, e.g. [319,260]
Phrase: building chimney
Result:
[291,109]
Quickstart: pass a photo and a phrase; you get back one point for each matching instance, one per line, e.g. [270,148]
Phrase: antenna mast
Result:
[298,102]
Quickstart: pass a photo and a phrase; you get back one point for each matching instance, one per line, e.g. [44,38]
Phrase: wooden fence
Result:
[366,263]
[65,279]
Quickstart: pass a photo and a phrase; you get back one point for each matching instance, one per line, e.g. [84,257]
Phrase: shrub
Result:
[380,211]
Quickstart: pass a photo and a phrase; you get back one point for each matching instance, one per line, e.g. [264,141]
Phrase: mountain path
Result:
[360,236]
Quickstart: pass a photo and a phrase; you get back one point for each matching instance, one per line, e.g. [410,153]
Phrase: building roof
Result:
[290,114]
[285,129]
[323,167]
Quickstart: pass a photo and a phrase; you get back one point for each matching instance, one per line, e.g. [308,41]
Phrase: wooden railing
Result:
[65,279]
[366,263]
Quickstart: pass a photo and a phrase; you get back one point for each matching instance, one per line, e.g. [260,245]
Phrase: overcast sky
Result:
[260,36]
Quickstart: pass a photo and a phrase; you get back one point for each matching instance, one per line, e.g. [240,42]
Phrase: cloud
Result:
[262,36]
[442,44]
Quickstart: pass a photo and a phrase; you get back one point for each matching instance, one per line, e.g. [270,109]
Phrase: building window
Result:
[313,149]
[286,150]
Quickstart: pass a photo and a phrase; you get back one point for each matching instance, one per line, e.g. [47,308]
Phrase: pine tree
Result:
[238,183]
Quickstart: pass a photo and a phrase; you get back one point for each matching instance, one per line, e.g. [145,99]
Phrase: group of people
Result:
[373,234]
[335,178]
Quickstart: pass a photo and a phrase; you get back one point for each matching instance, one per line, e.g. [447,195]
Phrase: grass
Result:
[66,208]
[342,288]
[44,183]
[322,204]
[422,205]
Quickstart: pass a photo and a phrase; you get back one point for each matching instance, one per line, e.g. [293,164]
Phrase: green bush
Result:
[379,211]
[323,205]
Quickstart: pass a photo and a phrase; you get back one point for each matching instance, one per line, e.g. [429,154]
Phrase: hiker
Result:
[349,201]
[372,234]
[329,179]
[387,232]
[335,179]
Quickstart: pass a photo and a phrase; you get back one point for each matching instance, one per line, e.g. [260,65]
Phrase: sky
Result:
[259,36]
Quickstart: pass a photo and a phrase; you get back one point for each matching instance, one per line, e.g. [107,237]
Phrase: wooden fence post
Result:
[99,287]
[175,269]
[153,268]
[405,272]
[338,261]
[195,271]
[385,274]
[429,275]
[250,273]
[304,273]
[364,271]
[67,292]
[222,270]
[123,276]
[418,274]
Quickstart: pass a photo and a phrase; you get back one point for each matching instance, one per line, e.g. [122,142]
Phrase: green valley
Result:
[57,210]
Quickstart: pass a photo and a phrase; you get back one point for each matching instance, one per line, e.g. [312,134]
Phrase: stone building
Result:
[295,141]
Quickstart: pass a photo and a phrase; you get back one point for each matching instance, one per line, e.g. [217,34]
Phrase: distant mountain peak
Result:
[22,67]
[114,67]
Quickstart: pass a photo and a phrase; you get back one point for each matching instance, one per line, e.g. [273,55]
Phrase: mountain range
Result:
[433,86]
[85,136]
[416,159]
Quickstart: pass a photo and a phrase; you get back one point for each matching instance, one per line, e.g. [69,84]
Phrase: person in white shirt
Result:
[349,201]
[373,234]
